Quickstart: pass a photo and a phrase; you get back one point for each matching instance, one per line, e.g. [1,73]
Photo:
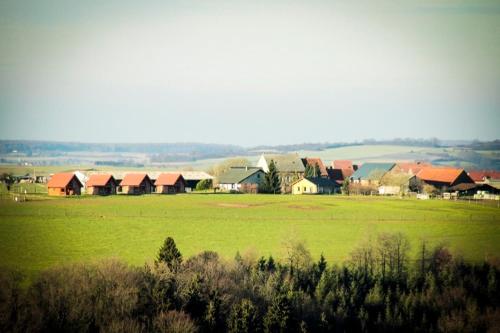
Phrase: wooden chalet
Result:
[136,183]
[101,185]
[64,184]
[170,183]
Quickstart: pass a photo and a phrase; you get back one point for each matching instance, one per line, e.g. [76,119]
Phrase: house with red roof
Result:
[101,184]
[341,170]
[170,183]
[136,183]
[64,184]
[443,177]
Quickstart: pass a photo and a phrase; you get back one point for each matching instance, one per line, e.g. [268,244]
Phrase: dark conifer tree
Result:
[272,182]
[169,254]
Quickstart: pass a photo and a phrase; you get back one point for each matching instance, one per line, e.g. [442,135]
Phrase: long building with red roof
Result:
[443,177]
[482,176]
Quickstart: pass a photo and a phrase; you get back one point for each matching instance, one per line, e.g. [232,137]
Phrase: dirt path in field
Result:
[229,205]
[305,207]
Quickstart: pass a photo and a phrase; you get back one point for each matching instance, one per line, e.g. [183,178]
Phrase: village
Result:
[294,175]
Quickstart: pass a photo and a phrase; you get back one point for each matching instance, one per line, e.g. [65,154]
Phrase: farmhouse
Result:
[443,177]
[101,184]
[313,163]
[317,185]
[136,183]
[370,173]
[192,178]
[242,179]
[170,183]
[290,168]
[63,184]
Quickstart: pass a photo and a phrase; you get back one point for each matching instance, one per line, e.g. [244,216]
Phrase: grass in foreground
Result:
[38,234]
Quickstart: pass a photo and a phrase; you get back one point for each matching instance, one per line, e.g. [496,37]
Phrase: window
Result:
[305,189]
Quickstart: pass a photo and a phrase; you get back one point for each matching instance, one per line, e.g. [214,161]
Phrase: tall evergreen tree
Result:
[169,254]
[272,182]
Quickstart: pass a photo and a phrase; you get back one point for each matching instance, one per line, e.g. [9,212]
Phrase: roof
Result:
[236,175]
[413,167]
[438,174]
[372,171]
[286,163]
[342,164]
[168,179]
[481,175]
[99,180]
[133,179]
[338,175]
[320,181]
[195,175]
[62,179]
[312,161]
[464,187]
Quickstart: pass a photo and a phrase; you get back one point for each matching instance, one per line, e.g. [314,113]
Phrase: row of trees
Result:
[379,289]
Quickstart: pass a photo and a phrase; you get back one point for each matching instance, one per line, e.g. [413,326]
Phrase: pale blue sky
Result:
[249,73]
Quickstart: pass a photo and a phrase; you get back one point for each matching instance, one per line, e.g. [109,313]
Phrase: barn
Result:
[64,184]
[136,183]
[102,184]
[170,183]
[443,177]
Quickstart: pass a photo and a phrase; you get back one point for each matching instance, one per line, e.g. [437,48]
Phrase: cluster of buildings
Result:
[77,183]
[369,178]
[297,176]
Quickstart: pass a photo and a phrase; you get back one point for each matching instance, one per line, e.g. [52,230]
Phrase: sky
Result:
[249,72]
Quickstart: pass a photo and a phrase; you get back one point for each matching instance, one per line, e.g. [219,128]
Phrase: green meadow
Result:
[44,231]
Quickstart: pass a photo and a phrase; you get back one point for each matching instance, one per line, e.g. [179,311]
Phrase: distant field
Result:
[366,152]
[37,234]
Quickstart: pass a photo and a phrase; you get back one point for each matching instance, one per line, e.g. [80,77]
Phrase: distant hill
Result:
[470,153]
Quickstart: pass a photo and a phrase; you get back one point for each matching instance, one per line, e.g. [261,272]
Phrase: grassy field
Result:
[40,233]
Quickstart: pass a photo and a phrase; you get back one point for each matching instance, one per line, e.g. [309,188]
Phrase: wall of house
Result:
[109,189]
[304,187]
[56,191]
[256,178]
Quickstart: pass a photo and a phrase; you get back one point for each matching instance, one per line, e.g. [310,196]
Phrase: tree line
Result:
[380,288]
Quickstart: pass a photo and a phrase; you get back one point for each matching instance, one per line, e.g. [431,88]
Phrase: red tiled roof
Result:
[61,179]
[133,179]
[312,161]
[98,180]
[413,167]
[342,164]
[480,175]
[168,179]
[444,175]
